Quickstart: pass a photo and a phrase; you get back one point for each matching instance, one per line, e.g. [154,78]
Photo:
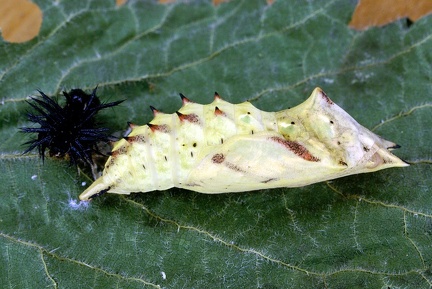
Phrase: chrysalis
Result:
[223,147]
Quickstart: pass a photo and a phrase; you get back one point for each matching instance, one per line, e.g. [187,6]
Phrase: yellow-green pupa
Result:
[222,147]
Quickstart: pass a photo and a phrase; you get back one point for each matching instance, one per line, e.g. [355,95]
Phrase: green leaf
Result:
[363,231]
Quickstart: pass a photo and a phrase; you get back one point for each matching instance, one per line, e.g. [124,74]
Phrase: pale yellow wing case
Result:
[223,147]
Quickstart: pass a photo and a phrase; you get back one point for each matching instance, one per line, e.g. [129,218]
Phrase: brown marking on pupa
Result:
[269,180]
[234,167]
[161,128]
[218,112]
[193,118]
[120,151]
[296,148]
[342,163]
[218,158]
[135,138]
[326,98]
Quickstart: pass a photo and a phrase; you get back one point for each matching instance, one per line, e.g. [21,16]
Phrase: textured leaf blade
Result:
[361,231]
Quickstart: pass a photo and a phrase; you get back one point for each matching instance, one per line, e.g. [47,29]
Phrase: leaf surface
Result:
[363,231]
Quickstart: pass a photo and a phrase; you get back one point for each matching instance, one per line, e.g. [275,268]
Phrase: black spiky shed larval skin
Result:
[71,130]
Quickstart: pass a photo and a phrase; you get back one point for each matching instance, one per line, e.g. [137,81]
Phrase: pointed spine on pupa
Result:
[154,110]
[184,99]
